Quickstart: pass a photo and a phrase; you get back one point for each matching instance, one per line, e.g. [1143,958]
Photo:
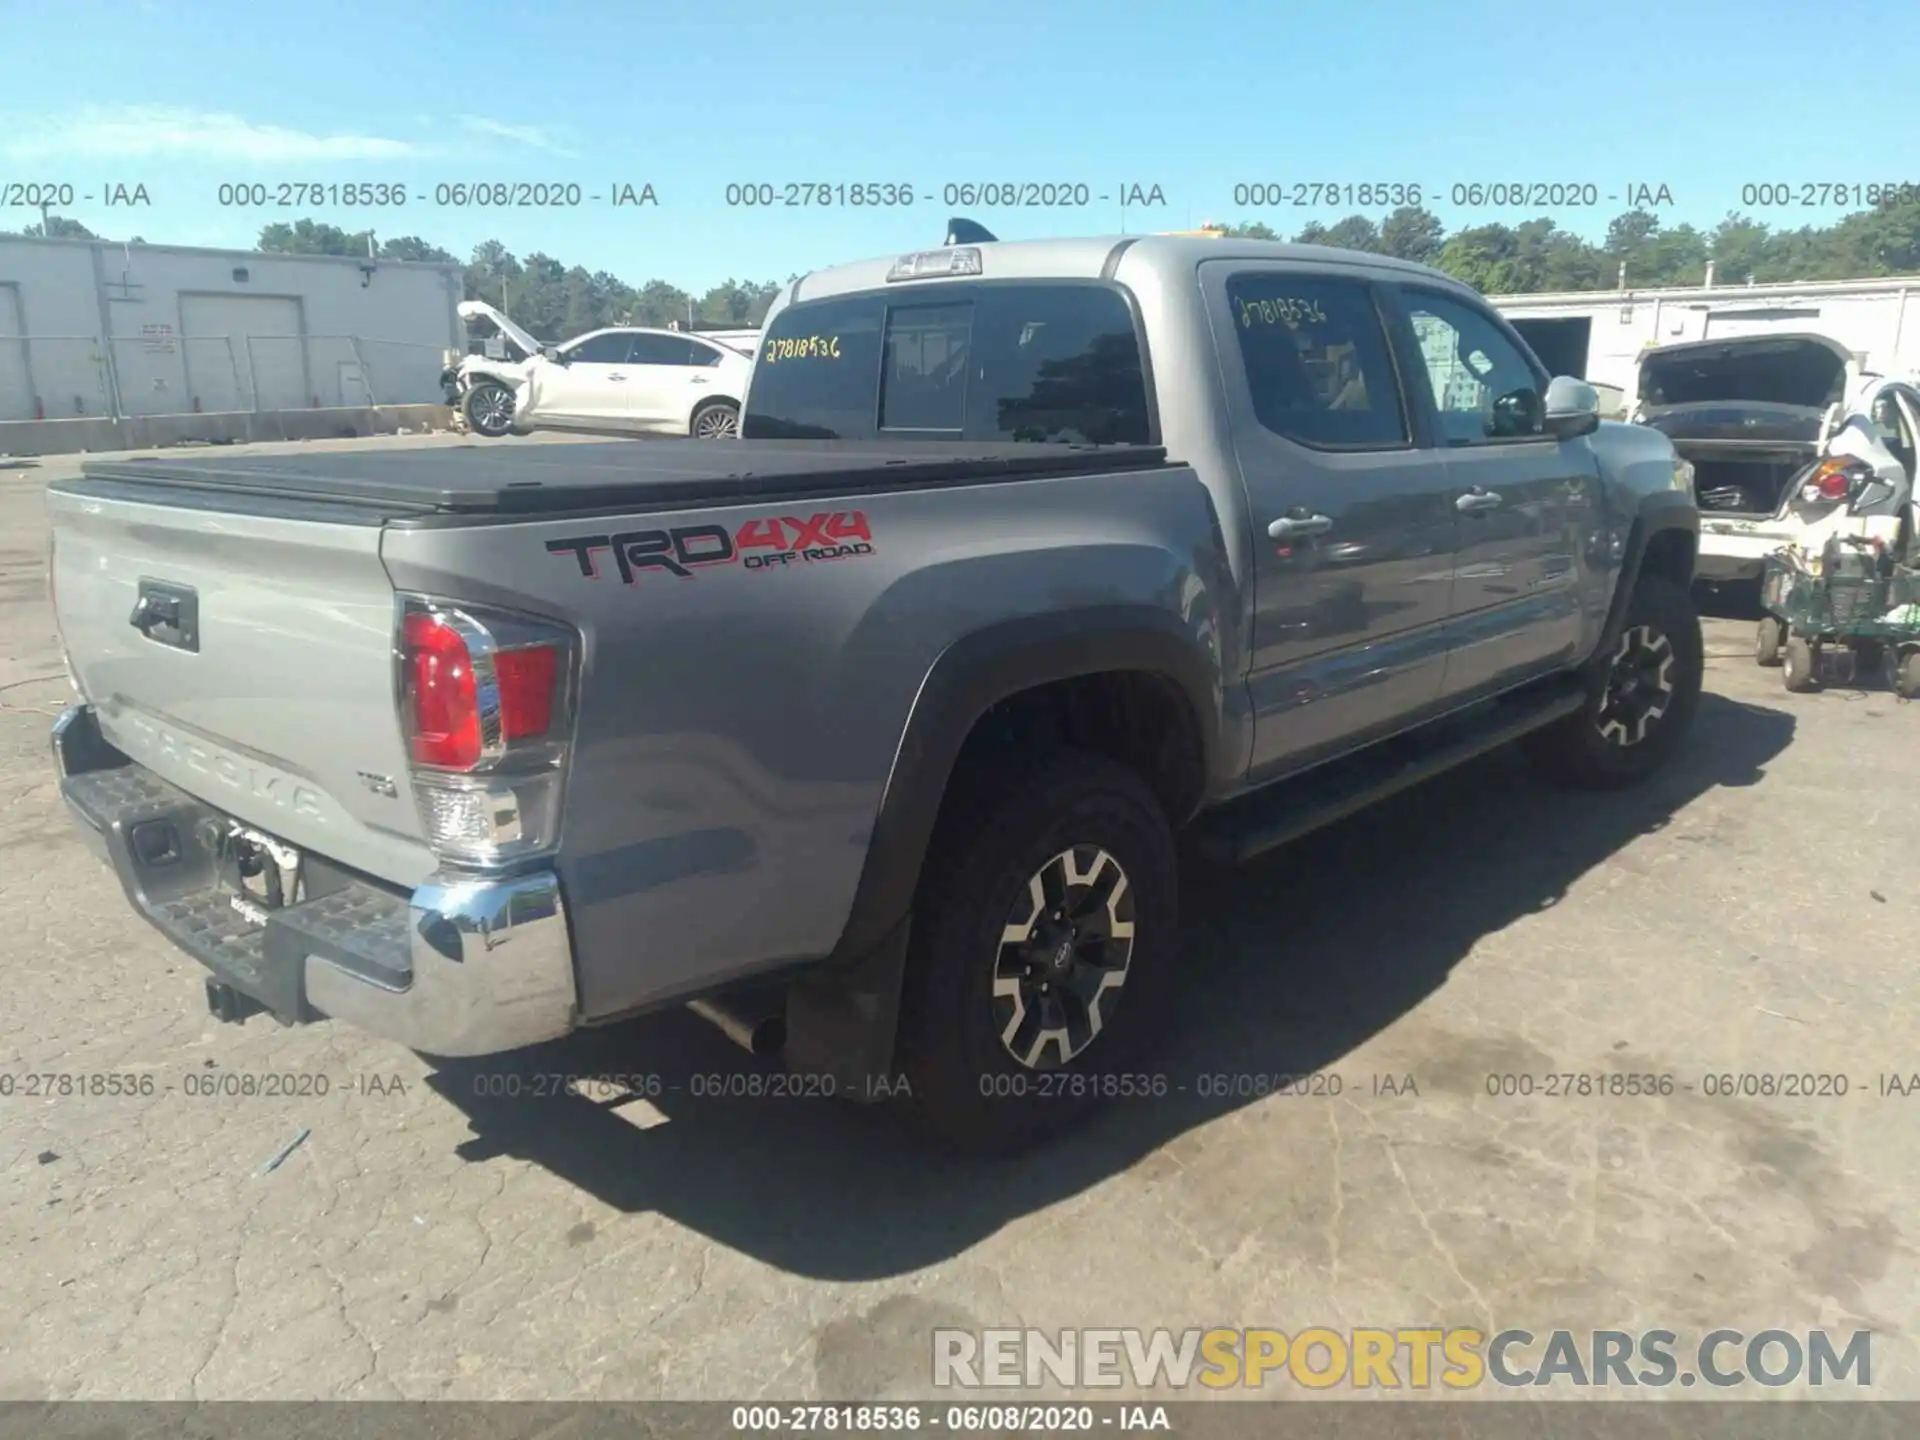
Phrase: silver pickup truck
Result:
[869,734]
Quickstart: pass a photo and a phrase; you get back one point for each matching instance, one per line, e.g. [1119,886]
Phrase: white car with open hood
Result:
[1756,416]
[624,379]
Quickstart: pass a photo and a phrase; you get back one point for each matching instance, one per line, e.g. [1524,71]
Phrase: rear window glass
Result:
[817,373]
[923,377]
[1031,363]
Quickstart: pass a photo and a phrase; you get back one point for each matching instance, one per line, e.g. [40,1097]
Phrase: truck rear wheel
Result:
[1042,945]
[1641,701]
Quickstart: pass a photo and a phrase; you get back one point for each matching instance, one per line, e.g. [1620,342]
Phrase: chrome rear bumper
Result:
[463,965]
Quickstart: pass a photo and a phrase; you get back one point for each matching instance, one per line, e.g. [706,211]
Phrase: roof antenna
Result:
[966,232]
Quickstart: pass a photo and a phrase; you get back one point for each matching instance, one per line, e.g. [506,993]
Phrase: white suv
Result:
[660,382]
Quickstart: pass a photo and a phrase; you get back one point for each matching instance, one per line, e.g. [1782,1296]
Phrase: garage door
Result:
[16,385]
[268,365]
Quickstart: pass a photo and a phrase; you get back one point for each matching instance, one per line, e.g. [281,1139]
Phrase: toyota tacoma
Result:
[1031,559]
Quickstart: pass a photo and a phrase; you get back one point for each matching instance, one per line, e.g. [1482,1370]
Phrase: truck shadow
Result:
[1297,959]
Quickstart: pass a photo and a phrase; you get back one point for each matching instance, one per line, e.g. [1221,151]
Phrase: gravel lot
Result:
[1754,911]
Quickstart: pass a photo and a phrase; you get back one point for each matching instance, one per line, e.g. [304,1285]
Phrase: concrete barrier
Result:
[227,427]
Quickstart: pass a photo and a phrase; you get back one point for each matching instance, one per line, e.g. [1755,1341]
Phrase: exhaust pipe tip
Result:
[762,1036]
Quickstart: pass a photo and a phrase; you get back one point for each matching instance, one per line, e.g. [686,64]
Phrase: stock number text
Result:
[1307,194]
[1814,194]
[800,194]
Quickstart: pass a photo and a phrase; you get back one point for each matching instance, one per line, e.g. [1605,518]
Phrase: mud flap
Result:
[842,1019]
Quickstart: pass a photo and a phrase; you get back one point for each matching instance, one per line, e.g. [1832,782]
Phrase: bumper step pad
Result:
[162,844]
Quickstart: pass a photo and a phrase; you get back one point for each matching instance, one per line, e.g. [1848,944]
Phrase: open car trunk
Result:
[1747,413]
[1748,480]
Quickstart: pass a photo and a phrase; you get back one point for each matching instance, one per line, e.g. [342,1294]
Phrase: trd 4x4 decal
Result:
[771,542]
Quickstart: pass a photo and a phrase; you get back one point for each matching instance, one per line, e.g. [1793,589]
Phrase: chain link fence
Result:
[62,377]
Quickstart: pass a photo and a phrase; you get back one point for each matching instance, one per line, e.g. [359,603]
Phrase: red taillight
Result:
[486,704]
[442,694]
[526,690]
[1834,479]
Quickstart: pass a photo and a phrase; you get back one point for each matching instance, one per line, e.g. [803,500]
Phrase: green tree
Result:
[1480,256]
[735,303]
[556,300]
[58,227]
[412,247]
[1890,236]
[1678,256]
[312,237]
[1411,233]
[1738,247]
[656,303]
[1626,233]
[1356,232]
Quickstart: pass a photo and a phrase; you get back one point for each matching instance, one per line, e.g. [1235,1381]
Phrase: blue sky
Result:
[180,96]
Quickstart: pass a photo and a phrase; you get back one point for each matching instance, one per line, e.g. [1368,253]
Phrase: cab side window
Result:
[1483,385]
[1317,361]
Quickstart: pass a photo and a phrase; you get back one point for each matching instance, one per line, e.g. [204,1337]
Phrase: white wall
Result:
[1879,322]
[79,298]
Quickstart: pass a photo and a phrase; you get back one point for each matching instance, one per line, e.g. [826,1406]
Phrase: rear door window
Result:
[1317,363]
[661,350]
[1012,362]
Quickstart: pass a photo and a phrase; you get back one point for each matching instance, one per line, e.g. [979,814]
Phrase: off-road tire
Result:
[481,410]
[1767,640]
[1604,746]
[1802,660]
[1007,820]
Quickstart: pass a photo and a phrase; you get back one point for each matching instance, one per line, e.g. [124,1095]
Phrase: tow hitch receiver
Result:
[228,1005]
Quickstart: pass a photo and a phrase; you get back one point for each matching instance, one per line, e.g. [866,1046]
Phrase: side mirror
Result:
[1573,408]
[553,353]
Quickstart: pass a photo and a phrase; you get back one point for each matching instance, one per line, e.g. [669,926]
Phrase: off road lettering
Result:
[765,542]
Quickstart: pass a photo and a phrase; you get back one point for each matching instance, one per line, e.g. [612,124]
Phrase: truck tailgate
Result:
[282,711]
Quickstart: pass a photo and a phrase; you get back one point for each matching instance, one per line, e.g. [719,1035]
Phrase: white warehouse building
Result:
[94,328]
[1600,336]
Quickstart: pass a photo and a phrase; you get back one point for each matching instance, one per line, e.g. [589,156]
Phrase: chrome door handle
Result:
[1475,501]
[1291,527]
[616,375]
[700,380]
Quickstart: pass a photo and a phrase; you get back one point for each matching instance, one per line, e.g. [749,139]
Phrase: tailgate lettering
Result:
[280,791]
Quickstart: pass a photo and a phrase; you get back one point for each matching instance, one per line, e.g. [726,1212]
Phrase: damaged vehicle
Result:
[480,385]
[621,379]
[1757,417]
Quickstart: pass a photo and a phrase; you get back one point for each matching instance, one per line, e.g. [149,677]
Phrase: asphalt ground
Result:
[1751,913]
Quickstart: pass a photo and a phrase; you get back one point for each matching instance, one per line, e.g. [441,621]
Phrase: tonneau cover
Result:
[531,479]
